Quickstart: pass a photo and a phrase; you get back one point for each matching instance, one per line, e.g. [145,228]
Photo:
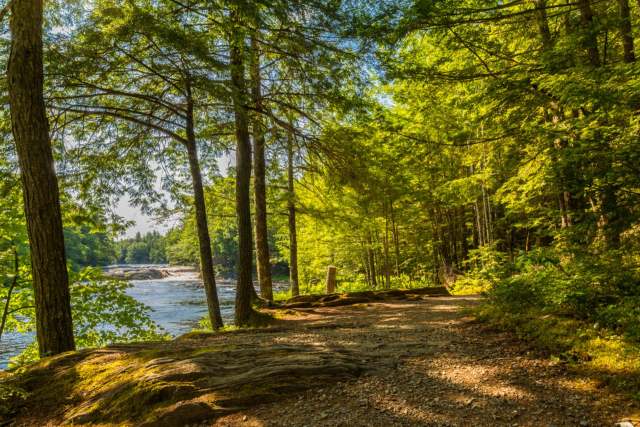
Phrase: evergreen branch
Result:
[132,119]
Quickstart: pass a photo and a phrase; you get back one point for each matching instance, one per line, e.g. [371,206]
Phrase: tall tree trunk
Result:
[611,218]
[204,240]
[293,236]
[379,255]
[625,31]
[590,39]
[30,127]
[365,263]
[463,234]
[396,238]
[387,268]
[453,237]
[259,184]
[12,286]
[479,221]
[543,23]
[244,290]
[372,260]
[486,202]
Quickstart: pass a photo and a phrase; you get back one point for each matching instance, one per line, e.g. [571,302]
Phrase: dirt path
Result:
[432,367]
[414,362]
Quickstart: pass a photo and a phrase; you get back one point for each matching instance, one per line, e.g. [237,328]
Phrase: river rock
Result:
[136,273]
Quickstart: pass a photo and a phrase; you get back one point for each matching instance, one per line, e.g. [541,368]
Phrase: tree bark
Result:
[365,263]
[543,24]
[243,310]
[625,31]
[30,128]
[387,272]
[396,238]
[293,237]
[590,37]
[372,260]
[463,234]
[331,279]
[204,240]
[259,182]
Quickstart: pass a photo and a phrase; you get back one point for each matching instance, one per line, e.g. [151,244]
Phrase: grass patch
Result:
[259,319]
[470,286]
[320,289]
[595,352]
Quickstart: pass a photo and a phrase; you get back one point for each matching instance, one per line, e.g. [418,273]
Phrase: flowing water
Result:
[177,303]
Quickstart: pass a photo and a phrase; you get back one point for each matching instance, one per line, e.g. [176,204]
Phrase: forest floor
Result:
[419,362]
[436,366]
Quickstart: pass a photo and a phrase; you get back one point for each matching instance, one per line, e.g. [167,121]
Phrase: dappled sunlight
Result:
[445,307]
[394,327]
[582,385]
[317,340]
[320,213]
[406,365]
[434,371]
[390,319]
[482,380]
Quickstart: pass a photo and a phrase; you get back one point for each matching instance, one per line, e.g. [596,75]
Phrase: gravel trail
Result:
[432,365]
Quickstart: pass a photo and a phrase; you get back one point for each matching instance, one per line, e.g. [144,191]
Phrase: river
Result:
[177,304]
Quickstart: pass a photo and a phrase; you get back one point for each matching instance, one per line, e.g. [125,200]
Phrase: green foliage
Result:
[182,240]
[102,313]
[486,267]
[601,289]
[86,247]
[589,349]
[319,288]
[494,149]
[350,284]
[147,249]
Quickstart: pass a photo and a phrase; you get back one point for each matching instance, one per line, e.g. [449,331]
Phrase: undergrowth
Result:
[581,308]
[354,284]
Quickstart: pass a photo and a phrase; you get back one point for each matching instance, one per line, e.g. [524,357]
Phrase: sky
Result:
[145,223]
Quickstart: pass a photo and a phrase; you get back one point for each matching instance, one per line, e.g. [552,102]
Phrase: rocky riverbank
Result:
[149,272]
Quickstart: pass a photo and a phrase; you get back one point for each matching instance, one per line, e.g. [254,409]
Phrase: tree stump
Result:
[331,279]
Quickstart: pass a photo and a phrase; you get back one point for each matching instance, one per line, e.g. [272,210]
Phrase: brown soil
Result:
[435,366]
[421,362]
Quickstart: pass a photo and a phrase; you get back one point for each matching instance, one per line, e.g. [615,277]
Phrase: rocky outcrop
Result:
[147,272]
[197,377]
[136,274]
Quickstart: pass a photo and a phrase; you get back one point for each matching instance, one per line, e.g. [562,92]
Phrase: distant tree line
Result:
[87,248]
[149,248]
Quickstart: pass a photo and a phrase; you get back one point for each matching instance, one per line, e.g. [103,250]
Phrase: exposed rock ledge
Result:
[196,377]
[143,272]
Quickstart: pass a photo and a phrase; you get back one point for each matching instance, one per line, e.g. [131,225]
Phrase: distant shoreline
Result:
[148,271]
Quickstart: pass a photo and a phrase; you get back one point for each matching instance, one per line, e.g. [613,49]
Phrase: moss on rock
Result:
[190,379]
